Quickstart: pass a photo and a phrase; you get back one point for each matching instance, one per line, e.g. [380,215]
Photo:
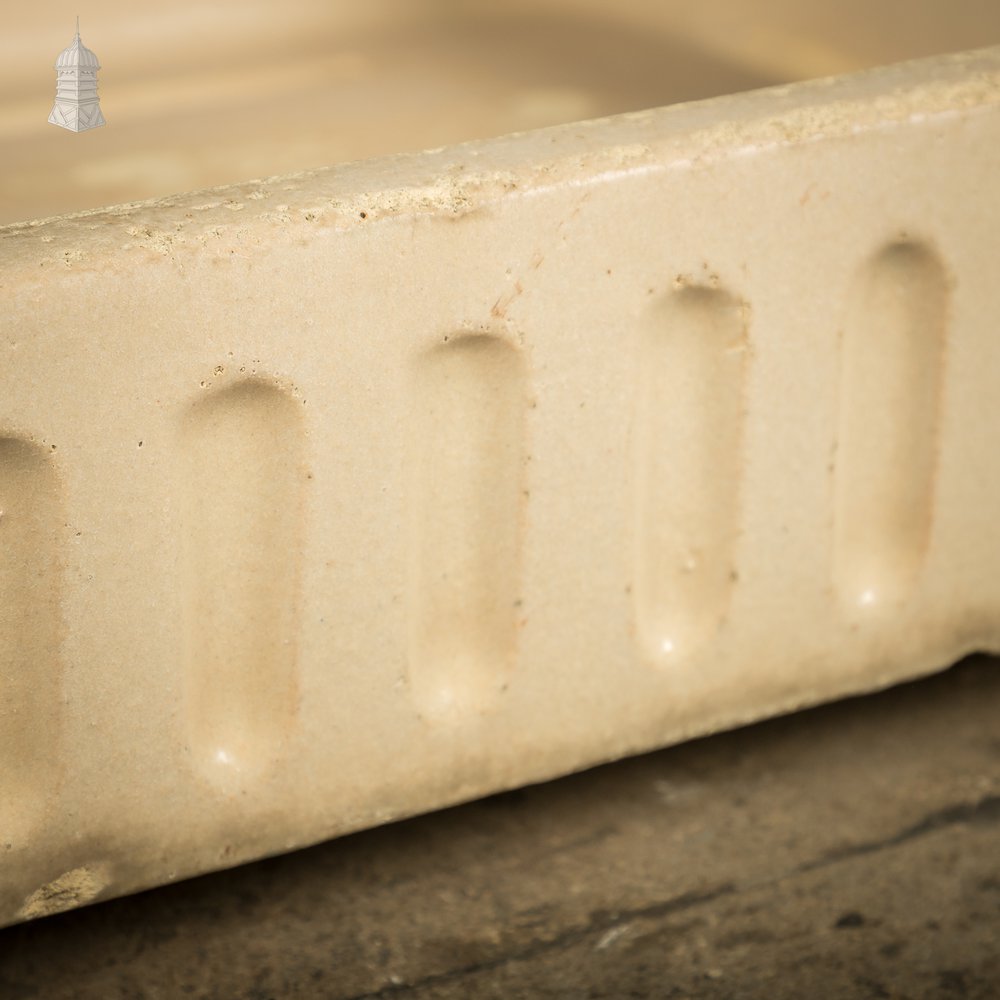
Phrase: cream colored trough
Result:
[332,498]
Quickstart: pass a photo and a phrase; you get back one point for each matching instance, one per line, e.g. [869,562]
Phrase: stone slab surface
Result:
[850,851]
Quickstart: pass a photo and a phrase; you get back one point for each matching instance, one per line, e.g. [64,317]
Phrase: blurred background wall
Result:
[199,94]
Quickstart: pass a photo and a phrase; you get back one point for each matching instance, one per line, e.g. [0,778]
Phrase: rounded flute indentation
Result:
[892,364]
[243,487]
[688,461]
[31,663]
[466,476]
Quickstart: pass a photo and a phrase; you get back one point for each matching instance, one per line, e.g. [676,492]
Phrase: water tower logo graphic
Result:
[77,107]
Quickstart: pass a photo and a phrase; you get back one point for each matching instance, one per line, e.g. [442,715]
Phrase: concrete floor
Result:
[848,851]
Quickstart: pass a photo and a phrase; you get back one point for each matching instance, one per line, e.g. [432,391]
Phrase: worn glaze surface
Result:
[337,497]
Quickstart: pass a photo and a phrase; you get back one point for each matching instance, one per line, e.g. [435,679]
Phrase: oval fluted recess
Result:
[467,459]
[243,492]
[890,398]
[688,432]
[31,530]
